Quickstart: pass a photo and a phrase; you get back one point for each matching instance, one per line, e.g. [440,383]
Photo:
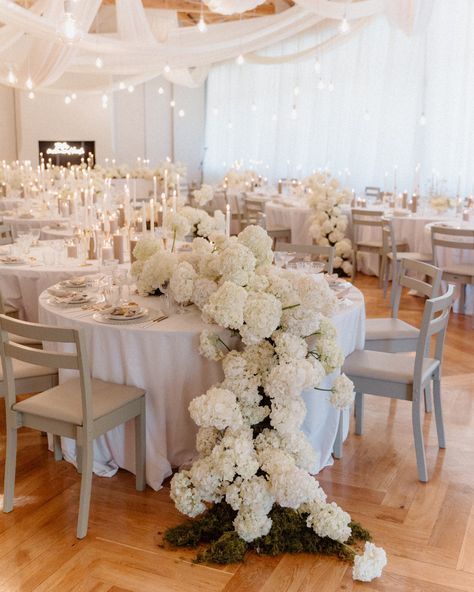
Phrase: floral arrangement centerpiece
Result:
[252,485]
[440,203]
[239,177]
[329,224]
[203,195]
[169,173]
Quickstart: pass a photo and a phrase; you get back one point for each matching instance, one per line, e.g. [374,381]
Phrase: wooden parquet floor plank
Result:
[427,529]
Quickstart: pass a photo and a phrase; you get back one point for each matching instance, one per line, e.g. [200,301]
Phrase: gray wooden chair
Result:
[280,235]
[373,193]
[404,376]
[254,209]
[363,217]
[6,234]
[391,256]
[459,273]
[392,334]
[316,252]
[81,408]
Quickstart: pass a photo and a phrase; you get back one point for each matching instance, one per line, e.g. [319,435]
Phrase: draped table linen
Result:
[163,359]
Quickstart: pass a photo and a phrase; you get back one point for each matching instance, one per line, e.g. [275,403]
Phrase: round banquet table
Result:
[21,284]
[18,223]
[289,213]
[408,229]
[163,359]
[55,233]
[10,203]
[139,188]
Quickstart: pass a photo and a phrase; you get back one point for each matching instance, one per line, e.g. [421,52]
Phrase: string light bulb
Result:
[31,95]
[344,26]
[122,85]
[331,86]
[11,77]
[321,84]
[240,60]
[68,30]
[131,88]
[202,27]
[294,113]
[161,90]
[296,90]
[366,115]
[172,104]
[67,100]
[105,101]
[29,83]
[167,68]
[73,96]
[317,65]
[181,113]
[99,63]
[423,119]
[253,107]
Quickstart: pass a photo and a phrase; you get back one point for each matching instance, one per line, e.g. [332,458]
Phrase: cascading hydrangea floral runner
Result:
[252,485]
[329,223]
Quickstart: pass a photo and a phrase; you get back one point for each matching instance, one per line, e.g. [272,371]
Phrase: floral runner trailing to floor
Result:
[329,223]
[252,486]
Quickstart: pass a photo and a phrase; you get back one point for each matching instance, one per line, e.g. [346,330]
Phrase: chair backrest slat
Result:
[451,238]
[10,350]
[317,250]
[430,289]
[6,234]
[433,326]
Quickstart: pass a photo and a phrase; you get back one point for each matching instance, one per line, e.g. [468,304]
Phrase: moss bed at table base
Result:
[289,534]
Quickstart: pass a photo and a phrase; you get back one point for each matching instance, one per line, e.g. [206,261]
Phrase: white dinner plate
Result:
[105,319]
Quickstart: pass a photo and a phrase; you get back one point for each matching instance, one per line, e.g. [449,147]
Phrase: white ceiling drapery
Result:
[136,52]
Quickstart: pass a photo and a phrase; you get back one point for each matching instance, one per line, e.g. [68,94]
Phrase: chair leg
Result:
[462,298]
[354,265]
[381,267]
[10,470]
[387,267]
[438,411]
[79,457]
[359,413]
[58,453]
[337,448]
[418,437]
[86,486]
[140,448]
[427,397]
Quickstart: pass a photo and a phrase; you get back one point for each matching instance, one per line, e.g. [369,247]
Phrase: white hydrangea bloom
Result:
[289,347]
[156,272]
[226,306]
[185,495]
[202,246]
[287,415]
[250,525]
[202,290]
[369,565]
[234,263]
[177,224]
[217,408]
[206,439]
[210,346]
[329,520]
[204,195]
[262,313]
[293,487]
[206,480]
[182,282]
[342,392]
[146,247]
[258,241]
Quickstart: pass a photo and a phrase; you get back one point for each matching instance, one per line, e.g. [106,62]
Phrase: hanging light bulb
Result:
[229,124]
[423,119]
[130,88]
[172,104]
[215,111]
[317,65]
[296,90]
[67,100]
[68,29]
[366,115]
[254,107]
[240,60]
[105,101]
[181,113]
[73,96]
[29,83]
[202,27]
[294,113]
[321,84]
[167,68]
[11,77]
[31,95]
[344,26]
[122,85]
[99,63]
[161,90]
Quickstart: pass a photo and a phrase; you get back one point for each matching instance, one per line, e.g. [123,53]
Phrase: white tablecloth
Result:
[54,233]
[296,217]
[164,360]
[140,189]
[24,224]
[21,285]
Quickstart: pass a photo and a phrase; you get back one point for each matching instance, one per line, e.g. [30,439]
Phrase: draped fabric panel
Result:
[277,120]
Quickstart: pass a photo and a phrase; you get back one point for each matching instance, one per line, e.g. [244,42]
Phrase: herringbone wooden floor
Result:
[427,529]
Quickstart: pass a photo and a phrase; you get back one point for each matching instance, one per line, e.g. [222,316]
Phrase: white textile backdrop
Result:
[370,123]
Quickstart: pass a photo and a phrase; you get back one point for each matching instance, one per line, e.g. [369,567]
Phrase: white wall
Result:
[139,124]
[8,148]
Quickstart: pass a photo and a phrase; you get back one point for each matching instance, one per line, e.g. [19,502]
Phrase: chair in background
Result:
[280,235]
[456,273]
[236,215]
[316,252]
[81,408]
[6,234]
[254,211]
[372,193]
[391,257]
[404,376]
[364,218]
